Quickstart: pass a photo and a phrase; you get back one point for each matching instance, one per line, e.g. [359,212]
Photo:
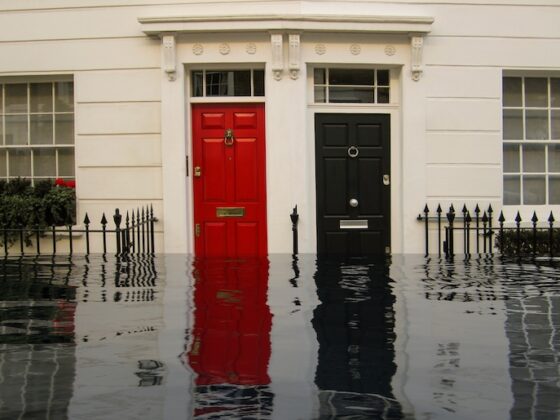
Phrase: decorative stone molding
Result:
[355,49]
[276,47]
[416,47]
[169,56]
[224,48]
[390,50]
[251,48]
[294,55]
[320,49]
[197,49]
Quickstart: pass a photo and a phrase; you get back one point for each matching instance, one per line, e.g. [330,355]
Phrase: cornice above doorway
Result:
[167,27]
[156,25]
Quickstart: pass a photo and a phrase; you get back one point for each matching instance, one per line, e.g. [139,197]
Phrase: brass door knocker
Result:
[228,137]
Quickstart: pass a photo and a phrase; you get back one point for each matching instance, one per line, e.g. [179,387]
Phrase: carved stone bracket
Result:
[169,61]
[276,48]
[416,47]
[294,55]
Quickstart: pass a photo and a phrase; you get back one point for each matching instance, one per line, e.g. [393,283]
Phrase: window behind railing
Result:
[37,129]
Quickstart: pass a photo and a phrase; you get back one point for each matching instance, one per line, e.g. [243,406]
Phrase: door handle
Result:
[386,179]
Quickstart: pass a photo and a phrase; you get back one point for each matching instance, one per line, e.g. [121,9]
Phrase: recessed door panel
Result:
[246,170]
[370,195]
[352,162]
[213,162]
[335,174]
[369,135]
[229,180]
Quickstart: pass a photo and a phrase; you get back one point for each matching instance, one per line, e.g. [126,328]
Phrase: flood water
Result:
[169,337]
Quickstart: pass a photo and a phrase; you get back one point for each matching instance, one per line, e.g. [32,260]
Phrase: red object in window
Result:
[59,182]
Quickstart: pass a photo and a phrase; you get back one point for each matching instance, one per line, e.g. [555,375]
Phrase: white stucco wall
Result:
[132,123]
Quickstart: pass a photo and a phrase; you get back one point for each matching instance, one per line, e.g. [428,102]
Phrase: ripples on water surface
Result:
[168,337]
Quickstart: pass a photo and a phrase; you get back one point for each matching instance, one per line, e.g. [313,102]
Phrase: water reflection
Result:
[164,337]
[230,348]
[355,329]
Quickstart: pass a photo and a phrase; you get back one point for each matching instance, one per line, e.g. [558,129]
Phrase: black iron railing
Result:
[132,234]
[476,232]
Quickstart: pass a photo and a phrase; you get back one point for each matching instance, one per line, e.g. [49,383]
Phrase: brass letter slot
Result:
[230,211]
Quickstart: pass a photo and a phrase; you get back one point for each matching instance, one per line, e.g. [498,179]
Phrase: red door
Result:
[229,180]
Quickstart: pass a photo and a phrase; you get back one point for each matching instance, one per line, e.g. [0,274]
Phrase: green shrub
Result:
[60,206]
[526,242]
[23,206]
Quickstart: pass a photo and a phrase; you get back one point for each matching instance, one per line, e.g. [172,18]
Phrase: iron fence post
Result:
[490,231]
[152,236]
[5,235]
[438,211]
[37,237]
[534,220]
[21,239]
[53,228]
[143,231]
[104,231]
[468,220]
[551,235]
[294,217]
[502,219]
[484,233]
[86,223]
[117,218]
[518,233]
[451,218]
[477,221]
[137,245]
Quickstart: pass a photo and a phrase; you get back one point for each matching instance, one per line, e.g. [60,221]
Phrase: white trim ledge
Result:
[157,26]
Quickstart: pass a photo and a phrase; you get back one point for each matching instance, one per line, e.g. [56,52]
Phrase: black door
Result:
[352,162]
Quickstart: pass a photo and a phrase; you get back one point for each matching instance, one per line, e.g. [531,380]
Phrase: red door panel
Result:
[229,180]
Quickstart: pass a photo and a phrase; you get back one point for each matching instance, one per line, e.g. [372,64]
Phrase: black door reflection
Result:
[230,349]
[354,324]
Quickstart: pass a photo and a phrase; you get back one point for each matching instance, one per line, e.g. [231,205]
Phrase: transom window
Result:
[333,85]
[227,83]
[37,130]
[531,136]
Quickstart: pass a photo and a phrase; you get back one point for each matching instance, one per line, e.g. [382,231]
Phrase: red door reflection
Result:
[232,323]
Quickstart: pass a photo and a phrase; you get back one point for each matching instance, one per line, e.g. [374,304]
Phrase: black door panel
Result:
[352,157]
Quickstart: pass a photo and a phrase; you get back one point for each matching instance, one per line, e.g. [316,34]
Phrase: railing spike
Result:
[439,210]
[534,219]
[103,220]
[501,219]
[484,217]
[518,218]
[477,209]
[468,218]
[551,218]
[451,208]
[86,220]
[490,210]
[464,208]
[426,209]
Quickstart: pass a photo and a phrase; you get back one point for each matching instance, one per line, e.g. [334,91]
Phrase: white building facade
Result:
[467,94]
